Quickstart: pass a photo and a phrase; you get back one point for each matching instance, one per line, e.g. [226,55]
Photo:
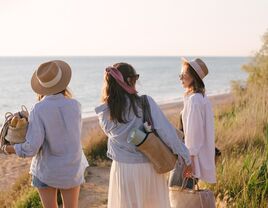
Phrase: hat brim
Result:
[62,84]
[185,60]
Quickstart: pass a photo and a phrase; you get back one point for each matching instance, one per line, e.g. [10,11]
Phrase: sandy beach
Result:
[94,192]
[91,123]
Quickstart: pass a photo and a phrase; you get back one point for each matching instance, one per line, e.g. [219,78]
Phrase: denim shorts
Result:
[37,183]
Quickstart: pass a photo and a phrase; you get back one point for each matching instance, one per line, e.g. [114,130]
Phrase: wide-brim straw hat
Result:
[51,77]
[198,65]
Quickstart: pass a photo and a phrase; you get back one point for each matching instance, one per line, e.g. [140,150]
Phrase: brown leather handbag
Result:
[153,147]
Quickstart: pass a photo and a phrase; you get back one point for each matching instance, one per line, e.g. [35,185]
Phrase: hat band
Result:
[198,69]
[53,82]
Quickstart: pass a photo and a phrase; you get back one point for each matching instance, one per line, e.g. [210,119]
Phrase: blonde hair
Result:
[67,93]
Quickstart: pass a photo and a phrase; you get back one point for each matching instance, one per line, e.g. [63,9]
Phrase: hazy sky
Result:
[132,27]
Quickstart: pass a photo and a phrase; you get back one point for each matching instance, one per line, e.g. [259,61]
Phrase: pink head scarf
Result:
[116,74]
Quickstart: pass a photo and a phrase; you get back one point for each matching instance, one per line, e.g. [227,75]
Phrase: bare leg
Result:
[70,197]
[48,197]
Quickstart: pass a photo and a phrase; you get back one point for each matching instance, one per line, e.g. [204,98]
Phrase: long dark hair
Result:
[197,86]
[116,97]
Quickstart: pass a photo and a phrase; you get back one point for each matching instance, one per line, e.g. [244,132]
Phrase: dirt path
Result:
[11,167]
[95,191]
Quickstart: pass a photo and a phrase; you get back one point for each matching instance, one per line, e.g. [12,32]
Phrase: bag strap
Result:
[146,109]
[147,113]
[24,113]
[23,108]
[8,116]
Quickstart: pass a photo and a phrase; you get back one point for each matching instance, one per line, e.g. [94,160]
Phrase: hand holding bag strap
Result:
[147,114]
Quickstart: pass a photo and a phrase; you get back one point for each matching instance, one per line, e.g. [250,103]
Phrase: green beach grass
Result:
[241,131]
[242,134]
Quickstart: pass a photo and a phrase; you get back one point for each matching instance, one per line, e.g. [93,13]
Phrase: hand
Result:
[8,149]
[147,127]
[187,172]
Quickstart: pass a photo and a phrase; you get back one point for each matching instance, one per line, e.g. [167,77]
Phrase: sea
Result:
[159,78]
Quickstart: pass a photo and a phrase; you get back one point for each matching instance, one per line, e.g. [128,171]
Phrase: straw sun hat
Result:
[198,65]
[51,77]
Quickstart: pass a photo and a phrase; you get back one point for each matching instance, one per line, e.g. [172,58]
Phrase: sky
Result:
[132,27]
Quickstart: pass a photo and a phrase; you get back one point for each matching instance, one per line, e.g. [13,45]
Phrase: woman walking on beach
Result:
[133,181]
[197,122]
[53,137]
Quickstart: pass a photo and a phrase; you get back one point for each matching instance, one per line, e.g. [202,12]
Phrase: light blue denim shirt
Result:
[53,138]
[118,147]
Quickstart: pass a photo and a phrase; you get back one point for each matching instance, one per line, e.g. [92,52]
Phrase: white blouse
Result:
[198,126]
[122,151]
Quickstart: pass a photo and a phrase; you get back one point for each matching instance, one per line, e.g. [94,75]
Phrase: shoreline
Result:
[91,123]
[91,113]
[213,98]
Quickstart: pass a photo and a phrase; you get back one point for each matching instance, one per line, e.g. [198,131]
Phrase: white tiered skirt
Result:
[137,186]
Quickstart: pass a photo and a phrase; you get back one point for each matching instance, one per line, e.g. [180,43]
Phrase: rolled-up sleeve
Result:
[34,137]
[101,111]
[167,132]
